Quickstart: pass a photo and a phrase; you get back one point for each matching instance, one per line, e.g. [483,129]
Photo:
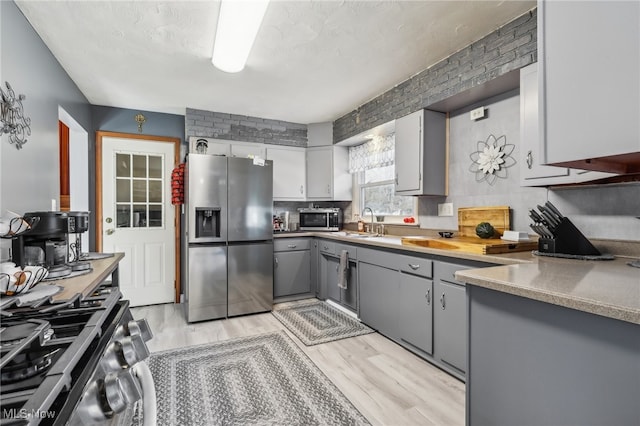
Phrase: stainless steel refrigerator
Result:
[229,235]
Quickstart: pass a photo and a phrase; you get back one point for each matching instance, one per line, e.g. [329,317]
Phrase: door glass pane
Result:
[139,187]
[155,191]
[155,215]
[123,216]
[123,165]
[155,166]
[123,190]
[139,215]
[140,166]
[139,191]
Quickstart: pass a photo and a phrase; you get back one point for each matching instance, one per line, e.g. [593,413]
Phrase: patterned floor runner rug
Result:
[318,322]
[259,380]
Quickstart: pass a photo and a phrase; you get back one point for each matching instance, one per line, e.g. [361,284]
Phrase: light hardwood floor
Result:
[387,383]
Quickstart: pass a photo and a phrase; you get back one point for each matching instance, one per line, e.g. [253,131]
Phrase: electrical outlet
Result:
[445,209]
[477,113]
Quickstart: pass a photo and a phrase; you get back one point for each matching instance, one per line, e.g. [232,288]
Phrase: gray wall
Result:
[234,127]
[509,48]
[29,177]
[599,211]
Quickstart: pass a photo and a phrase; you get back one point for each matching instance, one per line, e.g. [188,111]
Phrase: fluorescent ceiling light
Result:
[238,26]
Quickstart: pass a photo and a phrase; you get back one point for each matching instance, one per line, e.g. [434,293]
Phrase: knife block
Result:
[567,240]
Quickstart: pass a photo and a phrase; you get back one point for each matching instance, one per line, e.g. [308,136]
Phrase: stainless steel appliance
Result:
[320,219]
[229,253]
[74,363]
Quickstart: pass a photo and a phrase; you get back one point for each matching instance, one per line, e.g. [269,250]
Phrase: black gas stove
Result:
[70,362]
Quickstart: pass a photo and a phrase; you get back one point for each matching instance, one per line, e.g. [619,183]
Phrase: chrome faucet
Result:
[364,210]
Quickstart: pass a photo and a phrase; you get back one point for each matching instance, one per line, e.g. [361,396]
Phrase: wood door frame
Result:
[176,160]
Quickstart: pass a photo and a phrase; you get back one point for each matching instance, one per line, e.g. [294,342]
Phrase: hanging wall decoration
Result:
[491,159]
[12,118]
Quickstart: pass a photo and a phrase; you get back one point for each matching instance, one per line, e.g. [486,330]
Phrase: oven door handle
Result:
[149,408]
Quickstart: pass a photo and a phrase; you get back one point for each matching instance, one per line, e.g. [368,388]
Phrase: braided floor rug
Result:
[318,322]
[260,380]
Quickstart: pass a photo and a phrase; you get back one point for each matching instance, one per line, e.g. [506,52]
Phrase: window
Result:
[374,177]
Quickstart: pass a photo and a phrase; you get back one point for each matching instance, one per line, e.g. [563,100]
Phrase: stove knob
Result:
[121,389]
[140,327]
[133,350]
[124,353]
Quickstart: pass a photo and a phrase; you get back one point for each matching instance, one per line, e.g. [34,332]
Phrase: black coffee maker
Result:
[46,244]
[78,224]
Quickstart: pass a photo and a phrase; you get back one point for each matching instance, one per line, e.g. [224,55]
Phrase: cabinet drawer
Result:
[416,266]
[353,254]
[378,257]
[291,244]
[446,271]
[327,247]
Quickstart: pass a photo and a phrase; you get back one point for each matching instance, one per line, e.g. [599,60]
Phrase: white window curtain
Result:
[378,152]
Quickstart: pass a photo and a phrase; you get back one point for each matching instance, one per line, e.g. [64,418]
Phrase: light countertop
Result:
[609,288]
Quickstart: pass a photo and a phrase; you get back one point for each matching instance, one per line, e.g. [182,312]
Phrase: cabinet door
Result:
[319,172]
[591,104]
[289,173]
[315,281]
[416,311]
[378,298]
[330,266]
[532,148]
[247,150]
[450,324]
[291,273]
[408,152]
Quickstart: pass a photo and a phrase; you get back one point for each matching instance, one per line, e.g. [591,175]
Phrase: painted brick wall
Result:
[510,47]
[244,128]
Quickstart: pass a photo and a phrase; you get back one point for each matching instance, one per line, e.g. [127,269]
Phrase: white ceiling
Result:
[313,61]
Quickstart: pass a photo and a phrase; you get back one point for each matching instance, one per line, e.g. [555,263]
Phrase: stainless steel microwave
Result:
[318,219]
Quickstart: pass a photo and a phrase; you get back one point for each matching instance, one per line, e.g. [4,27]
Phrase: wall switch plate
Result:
[477,113]
[445,209]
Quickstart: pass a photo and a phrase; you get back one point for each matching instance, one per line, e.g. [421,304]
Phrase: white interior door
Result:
[138,218]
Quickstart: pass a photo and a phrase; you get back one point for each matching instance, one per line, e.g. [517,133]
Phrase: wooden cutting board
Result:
[475,245]
[469,217]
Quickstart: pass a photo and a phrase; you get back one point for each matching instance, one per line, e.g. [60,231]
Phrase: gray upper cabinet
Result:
[589,58]
[532,152]
[420,153]
[328,176]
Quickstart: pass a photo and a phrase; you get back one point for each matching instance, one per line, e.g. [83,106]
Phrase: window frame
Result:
[356,211]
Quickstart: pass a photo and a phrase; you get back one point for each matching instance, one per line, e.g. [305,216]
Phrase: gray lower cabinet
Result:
[315,285]
[329,270]
[292,267]
[450,317]
[416,312]
[379,298]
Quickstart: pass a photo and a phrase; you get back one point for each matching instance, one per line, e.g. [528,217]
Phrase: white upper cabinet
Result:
[532,170]
[589,68]
[328,176]
[289,172]
[248,150]
[420,153]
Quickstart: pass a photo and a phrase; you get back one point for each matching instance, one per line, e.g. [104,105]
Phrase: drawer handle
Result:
[292,245]
[326,248]
[428,296]
[276,259]
[414,267]
[442,301]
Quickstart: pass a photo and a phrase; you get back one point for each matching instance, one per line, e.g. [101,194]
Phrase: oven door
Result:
[310,221]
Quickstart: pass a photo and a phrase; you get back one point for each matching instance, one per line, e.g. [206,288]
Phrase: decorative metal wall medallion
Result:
[491,159]
[140,119]
[12,117]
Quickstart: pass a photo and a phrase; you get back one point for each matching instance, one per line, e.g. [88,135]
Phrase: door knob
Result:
[110,231]
[108,220]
